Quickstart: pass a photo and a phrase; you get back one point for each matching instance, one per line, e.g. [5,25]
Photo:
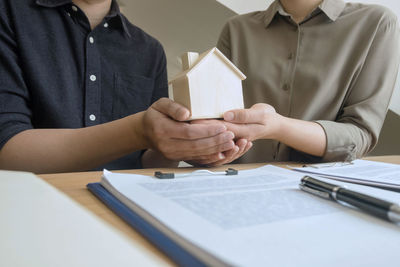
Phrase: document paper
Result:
[359,171]
[257,218]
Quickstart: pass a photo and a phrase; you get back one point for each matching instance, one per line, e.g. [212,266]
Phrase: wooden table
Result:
[74,185]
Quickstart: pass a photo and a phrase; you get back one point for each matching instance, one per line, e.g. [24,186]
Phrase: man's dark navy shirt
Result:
[55,72]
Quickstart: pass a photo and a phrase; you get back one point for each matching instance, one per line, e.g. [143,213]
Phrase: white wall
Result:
[180,25]
[241,7]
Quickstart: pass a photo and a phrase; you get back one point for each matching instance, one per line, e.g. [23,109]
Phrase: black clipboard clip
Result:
[171,175]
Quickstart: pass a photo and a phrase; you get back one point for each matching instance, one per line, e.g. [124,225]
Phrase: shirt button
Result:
[92,78]
[91,39]
[105,25]
[290,57]
[92,117]
[286,87]
[74,8]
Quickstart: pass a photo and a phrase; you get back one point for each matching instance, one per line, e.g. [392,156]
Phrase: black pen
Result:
[378,207]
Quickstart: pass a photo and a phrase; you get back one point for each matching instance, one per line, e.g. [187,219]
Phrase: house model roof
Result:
[202,58]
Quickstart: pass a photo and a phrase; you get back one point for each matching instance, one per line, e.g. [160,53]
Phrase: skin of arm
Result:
[261,121]
[160,128]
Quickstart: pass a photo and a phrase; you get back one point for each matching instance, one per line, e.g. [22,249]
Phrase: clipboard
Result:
[170,248]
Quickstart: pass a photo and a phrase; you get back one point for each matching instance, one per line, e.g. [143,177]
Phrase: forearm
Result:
[64,150]
[308,137]
[161,127]
[262,122]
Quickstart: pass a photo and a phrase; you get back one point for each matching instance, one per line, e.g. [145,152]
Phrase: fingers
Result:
[247,148]
[243,115]
[241,147]
[206,121]
[206,146]
[196,131]
[215,159]
[164,127]
[201,141]
[181,149]
[250,132]
[255,114]
[171,109]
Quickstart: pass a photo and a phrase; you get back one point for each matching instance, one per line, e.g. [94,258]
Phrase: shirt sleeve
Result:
[356,130]
[223,43]
[15,114]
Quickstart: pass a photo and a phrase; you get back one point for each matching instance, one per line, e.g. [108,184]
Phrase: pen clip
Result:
[315,192]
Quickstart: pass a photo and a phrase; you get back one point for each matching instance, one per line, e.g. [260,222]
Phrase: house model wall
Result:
[209,85]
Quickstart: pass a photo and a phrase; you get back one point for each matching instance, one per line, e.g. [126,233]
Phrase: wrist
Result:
[279,127]
[138,131]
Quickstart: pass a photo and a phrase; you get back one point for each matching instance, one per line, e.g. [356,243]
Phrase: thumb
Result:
[172,109]
[253,115]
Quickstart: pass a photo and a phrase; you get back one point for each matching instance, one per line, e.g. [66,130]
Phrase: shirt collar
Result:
[271,12]
[331,8]
[114,11]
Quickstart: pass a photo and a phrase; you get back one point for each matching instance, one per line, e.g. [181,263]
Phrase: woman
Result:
[322,73]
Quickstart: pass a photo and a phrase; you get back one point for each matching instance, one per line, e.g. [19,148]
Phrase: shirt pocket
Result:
[133,93]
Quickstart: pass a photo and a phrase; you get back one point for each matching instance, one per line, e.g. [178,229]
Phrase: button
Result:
[74,8]
[68,14]
[92,117]
[92,78]
[91,39]
[290,57]
[105,25]
[286,87]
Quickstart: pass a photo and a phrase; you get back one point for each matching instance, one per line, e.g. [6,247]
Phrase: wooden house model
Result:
[209,85]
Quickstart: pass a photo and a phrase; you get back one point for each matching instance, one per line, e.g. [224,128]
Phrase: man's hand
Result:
[260,121]
[241,147]
[165,130]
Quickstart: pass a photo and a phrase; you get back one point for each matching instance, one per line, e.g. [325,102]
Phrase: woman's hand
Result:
[258,122]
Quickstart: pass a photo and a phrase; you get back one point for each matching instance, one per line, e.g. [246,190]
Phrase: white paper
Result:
[260,218]
[370,172]
[231,203]
[42,227]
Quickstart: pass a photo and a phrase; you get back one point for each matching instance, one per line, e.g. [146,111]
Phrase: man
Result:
[76,83]
[322,73]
